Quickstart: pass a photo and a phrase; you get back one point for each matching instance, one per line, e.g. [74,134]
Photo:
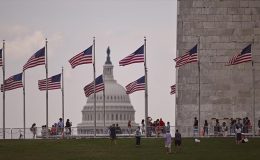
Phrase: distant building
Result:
[118,107]
[221,28]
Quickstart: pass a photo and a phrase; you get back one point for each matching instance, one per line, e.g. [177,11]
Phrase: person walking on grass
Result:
[138,136]
[113,133]
[168,142]
[177,140]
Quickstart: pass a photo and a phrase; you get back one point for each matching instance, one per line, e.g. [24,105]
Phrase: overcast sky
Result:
[69,26]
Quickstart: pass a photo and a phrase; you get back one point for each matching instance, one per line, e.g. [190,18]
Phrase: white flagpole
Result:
[24,103]
[146,90]
[94,70]
[253,109]
[199,86]
[253,79]
[3,54]
[62,92]
[47,84]
[104,106]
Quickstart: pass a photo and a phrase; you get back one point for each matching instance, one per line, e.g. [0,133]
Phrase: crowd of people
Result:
[237,127]
[56,129]
[227,127]
[158,127]
[245,125]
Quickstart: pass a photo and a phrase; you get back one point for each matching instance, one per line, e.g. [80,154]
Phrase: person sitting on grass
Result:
[244,139]
[168,142]
[177,140]
[54,129]
[44,131]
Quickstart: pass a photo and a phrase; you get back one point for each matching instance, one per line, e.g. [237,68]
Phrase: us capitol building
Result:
[118,107]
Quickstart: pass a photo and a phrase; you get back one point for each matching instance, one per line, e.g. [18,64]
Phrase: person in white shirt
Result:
[224,129]
[138,136]
[168,142]
[238,134]
[60,126]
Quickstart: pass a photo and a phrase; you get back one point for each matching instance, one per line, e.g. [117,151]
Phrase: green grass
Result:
[125,149]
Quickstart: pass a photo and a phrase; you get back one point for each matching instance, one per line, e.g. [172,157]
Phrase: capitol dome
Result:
[118,108]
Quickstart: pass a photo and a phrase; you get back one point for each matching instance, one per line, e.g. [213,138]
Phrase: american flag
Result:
[136,85]
[173,89]
[136,57]
[244,56]
[13,82]
[89,89]
[1,59]
[37,58]
[54,82]
[84,57]
[190,56]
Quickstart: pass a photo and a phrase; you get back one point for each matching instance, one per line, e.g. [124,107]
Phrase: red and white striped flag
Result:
[173,89]
[190,56]
[136,85]
[244,56]
[37,58]
[84,57]
[13,82]
[136,57]
[54,82]
[89,89]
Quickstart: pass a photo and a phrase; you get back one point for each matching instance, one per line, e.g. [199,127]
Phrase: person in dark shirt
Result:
[68,126]
[118,129]
[259,127]
[113,133]
[206,128]
[177,140]
[34,130]
[195,126]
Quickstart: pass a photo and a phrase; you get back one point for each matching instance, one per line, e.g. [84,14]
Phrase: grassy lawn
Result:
[125,149]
